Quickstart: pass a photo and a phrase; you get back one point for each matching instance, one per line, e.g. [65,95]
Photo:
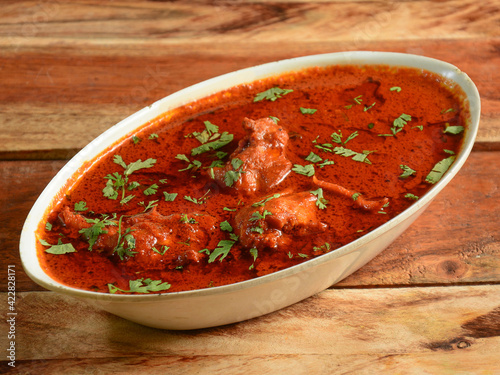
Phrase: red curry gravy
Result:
[151,214]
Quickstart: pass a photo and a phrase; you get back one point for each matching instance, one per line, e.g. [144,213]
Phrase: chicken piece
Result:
[259,163]
[278,220]
[359,200]
[149,240]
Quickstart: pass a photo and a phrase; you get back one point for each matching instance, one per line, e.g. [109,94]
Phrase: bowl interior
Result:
[453,74]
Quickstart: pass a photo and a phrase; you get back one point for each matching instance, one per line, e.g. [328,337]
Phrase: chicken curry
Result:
[252,180]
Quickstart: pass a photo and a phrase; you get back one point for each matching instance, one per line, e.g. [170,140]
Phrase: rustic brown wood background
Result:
[429,304]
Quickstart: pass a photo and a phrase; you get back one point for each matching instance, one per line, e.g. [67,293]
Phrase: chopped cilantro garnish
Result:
[325,247]
[307,170]
[149,205]
[307,111]
[163,250]
[407,171]
[272,94]
[151,190]
[326,162]
[321,201]
[265,200]
[255,253]
[368,107]
[127,199]
[447,110]
[313,158]
[141,286]
[356,156]
[225,226]
[453,130]
[439,170]
[222,250]
[258,216]
[399,123]
[81,206]
[182,157]
[230,177]
[169,197]
[59,249]
[411,196]
[224,139]
[337,137]
[98,227]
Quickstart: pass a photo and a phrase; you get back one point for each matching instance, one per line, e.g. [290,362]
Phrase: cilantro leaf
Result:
[169,197]
[307,170]
[439,170]
[254,253]
[225,226]
[411,196]
[265,200]
[407,171]
[97,228]
[356,156]
[164,249]
[307,111]
[272,94]
[141,286]
[211,128]
[230,177]
[321,201]
[182,157]
[258,216]
[399,123]
[224,139]
[137,165]
[313,158]
[81,206]
[59,249]
[453,130]
[151,190]
[222,250]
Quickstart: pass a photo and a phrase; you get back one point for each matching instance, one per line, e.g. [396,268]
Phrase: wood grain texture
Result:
[456,241]
[61,101]
[252,20]
[428,304]
[69,72]
[407,331]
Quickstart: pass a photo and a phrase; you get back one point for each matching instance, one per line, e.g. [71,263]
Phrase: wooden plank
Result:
[362,331]
[441,247]
[251,20]
[52,106]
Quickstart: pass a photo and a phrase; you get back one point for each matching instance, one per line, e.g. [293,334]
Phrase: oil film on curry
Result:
[253,180]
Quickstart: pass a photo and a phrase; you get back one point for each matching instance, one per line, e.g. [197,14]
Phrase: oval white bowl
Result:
[252,298]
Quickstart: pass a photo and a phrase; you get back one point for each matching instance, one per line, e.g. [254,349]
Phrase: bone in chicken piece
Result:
[275,222]
[360,201]
[259,163]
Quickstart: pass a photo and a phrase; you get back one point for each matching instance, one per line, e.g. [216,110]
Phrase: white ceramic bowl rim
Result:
[28,240]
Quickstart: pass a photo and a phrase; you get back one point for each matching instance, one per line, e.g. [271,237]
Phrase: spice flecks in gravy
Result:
[254,179]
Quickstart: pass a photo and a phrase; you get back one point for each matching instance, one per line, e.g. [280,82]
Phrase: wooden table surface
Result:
[429,304]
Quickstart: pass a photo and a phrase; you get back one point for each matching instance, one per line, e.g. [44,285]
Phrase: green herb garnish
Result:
[272,94]
[141,286]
